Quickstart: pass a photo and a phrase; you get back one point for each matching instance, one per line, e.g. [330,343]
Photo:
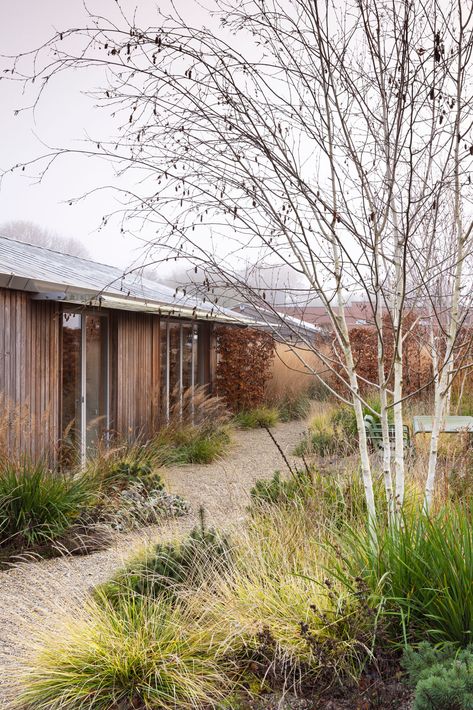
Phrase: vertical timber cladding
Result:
[135,352]
[29,374]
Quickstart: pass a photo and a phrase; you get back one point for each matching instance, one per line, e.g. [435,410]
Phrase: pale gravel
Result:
[35,594]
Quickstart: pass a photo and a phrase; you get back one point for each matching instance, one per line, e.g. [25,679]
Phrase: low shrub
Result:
[127,471]
[421,567]
[39,506]
[134,655]
[442,677]
[141,504]
[259,417]
[168,567]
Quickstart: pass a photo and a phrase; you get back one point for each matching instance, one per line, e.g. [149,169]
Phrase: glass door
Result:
[71,425]
[85,384]
[96,381]
[179,366]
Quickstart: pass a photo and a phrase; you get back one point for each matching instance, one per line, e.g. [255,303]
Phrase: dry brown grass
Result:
[197,408]
[454,465]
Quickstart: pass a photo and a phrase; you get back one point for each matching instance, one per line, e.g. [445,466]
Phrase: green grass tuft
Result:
[256,418]
[421,569]
[278,490]
[38,506]
[175,447]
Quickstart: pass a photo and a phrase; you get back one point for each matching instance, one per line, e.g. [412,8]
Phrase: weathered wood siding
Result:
[29,373]
[135,373]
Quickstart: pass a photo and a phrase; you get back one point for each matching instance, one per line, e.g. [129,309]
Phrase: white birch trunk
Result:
[344,342]
[444,382]
[387,476]
[398,367]
[341,328]
[363,446]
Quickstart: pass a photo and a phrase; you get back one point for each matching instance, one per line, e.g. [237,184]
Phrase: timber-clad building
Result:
[85,349]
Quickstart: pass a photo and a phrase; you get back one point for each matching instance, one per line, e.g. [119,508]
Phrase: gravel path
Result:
[33,594]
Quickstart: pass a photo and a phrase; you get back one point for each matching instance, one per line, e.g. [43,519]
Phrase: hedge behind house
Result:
[416,357]
[244,366]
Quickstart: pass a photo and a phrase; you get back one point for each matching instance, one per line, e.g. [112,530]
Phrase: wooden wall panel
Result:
[135,373]
[29,374]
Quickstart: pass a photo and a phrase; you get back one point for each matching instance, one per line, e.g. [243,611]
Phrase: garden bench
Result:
[452,425]
[374,432]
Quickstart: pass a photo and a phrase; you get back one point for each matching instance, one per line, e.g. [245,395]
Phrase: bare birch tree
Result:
[312,136]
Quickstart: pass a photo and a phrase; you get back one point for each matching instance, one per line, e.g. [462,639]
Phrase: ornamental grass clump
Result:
[422,570]
[325,436]
[279,490]
[189,621]
[189,444]
[293,406]
[39,506]
[196,431]
[124,463]
[259,417]
[332,497]
[138,654]
[282,612]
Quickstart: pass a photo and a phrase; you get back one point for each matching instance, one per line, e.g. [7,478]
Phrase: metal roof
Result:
[57,276]
[277,323]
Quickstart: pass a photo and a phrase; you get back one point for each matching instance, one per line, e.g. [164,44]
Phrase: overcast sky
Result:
[64,117]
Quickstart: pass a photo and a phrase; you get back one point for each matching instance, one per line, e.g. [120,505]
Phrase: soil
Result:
[379,695]
[373,692]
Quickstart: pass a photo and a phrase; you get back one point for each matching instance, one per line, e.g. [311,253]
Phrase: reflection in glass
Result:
[163,382]
[95,379]
[71,387]
[174,360]
[84,384]
[179,365]
[187,342]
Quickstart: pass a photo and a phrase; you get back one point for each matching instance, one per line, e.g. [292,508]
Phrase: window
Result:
[85,386]
[179,366]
